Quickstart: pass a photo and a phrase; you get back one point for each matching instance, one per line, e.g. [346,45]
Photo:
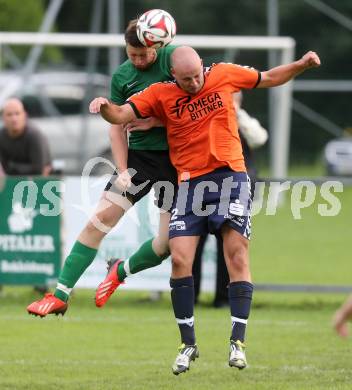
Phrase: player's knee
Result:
[91,229]
[238,257]
[180,260]
[99,224]
[105,219]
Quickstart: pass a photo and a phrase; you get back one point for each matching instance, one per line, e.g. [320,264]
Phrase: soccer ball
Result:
[156,28]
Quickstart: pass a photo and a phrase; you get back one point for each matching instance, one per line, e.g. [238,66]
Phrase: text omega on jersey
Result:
[204,105]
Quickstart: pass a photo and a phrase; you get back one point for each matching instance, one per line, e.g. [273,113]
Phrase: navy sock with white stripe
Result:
[240,298]
[182,297]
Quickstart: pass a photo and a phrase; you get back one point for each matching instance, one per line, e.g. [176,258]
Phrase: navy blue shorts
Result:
[204,204]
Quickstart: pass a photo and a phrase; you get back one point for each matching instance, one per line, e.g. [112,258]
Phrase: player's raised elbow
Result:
[112,113]
[118,115]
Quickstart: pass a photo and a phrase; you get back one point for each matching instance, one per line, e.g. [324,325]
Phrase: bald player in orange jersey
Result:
[214,191]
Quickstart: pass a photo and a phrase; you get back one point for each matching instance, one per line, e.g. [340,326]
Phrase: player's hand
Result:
[95,104]
[142,124]
[123,181]
[310,60]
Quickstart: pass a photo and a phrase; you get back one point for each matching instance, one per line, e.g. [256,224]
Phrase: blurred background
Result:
[290,340]
[58,89]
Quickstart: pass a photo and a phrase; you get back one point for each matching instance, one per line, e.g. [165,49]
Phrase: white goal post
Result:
[281,97]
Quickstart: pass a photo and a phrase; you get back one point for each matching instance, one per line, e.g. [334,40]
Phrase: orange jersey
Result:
[202,129]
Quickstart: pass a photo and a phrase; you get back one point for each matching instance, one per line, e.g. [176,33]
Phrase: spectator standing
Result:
[23,149]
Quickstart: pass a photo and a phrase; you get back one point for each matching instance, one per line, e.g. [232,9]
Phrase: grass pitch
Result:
[312,250]
[131,344]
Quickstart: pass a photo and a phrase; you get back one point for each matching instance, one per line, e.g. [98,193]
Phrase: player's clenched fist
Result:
[95,105]
[311,59]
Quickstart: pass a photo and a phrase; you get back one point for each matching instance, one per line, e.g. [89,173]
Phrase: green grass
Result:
[298,170]
[311,250]
[131,344]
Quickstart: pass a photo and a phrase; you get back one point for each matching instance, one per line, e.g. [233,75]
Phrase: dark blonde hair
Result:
[131,37]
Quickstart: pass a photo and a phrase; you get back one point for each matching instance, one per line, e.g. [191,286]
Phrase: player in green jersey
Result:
[146,156]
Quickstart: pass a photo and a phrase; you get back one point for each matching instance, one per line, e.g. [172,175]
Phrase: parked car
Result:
[57,103]
[338,157]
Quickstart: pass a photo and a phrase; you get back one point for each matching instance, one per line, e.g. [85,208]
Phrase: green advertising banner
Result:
[30,227]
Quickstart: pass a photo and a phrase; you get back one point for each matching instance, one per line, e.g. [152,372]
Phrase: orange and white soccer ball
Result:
[156,28]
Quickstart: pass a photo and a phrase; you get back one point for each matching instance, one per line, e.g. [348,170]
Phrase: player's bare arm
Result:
[119,148]
[283,73]
[112,113]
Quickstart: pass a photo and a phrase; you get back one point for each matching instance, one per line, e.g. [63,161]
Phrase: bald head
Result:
[14,117]
[187,68]
[185,57]
[13,103]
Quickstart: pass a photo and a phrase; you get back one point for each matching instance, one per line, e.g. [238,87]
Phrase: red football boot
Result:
[109,285]
[48,305]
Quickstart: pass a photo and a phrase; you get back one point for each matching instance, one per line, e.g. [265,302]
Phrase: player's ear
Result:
[172,71]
